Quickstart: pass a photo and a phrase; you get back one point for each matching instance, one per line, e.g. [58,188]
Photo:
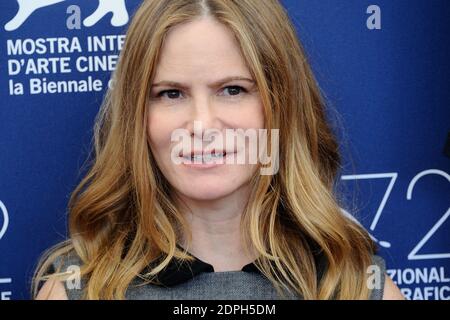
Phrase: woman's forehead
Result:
[201,47]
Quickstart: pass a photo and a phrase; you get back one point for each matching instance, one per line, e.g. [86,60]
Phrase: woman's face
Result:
[201,76]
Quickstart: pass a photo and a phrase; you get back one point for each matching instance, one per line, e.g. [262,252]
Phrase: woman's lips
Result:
[203,152]
[207,160]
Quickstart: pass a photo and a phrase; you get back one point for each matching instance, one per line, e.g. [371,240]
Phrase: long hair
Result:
[122,215]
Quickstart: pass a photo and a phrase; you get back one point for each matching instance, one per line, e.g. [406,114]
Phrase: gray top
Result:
[228,285]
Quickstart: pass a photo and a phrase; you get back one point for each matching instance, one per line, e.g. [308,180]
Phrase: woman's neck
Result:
[215,229]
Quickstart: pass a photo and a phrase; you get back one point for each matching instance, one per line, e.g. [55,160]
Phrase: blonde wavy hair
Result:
[122,215]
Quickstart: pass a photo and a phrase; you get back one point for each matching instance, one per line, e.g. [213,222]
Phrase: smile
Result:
[205,160]
[205,157]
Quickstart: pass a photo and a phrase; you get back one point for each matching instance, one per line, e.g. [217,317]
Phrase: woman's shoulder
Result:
[52,289]
[64,279]
[384,287]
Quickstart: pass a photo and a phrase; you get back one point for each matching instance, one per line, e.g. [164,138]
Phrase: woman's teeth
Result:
[205,157]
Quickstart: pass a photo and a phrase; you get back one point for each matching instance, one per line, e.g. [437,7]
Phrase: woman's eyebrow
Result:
[175,84]
[229,79]
[172,84]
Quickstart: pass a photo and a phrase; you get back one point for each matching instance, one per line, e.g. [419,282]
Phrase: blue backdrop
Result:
[383,65]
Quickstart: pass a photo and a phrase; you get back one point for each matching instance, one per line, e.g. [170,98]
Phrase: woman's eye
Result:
[170,94]
[233,90]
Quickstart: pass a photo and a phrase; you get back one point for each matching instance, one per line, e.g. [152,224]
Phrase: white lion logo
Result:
[27,7]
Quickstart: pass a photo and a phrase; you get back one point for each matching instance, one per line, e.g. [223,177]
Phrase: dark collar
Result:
[179,271]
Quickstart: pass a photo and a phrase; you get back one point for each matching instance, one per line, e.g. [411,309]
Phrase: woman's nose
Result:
[202,114]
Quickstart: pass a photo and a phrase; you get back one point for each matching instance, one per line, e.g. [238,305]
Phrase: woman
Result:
[143,226]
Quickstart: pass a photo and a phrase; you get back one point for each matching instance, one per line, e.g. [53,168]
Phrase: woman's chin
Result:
[205,192]
[208,187]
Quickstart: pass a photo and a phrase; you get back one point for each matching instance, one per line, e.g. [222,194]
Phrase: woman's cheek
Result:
[157,132]
[160,128]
